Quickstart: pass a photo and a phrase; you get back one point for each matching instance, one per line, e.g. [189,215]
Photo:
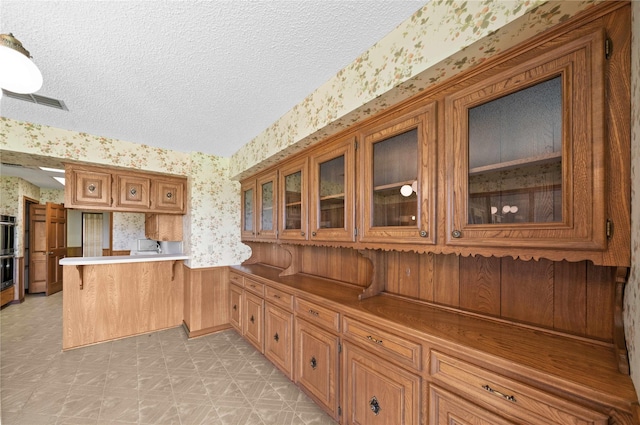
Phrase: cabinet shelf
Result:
[394,185]
[330,197]
[546,158]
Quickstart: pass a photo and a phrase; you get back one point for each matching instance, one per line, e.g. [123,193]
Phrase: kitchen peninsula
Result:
[107,298]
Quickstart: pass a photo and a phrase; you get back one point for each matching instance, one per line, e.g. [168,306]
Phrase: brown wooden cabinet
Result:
[448,409]
[398,177]
[235,307]
[526,152]
[317,364]
[87,188]
[332,193]
[377,392]
[168,195]
[252,320]
[260,207]
[107,189]
[293,186]
[278,339]
[132,191]
[163,227]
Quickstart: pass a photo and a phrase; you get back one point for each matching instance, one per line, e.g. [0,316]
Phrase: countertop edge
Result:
[120,259]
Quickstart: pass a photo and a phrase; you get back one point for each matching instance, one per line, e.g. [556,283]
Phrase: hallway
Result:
[158,378]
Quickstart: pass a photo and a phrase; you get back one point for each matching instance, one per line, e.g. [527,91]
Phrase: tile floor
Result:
[158,378]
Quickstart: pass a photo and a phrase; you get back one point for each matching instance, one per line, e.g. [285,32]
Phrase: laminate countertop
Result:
[120,259]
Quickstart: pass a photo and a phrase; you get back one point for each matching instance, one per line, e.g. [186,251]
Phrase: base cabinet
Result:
[317,364]
[278,341]
[448,409]
[235,307]
[377,392]
[253,327]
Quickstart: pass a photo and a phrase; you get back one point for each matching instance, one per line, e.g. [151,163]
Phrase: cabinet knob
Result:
[374,405]
[252,320]
[456,234]
[313,233]
[91,188]
[169,195]
[276,337]
[301,233]
[235,307]
[423,233]
[313,363]
[133,191]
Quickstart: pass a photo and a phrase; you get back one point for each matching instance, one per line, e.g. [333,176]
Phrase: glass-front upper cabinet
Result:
[526,152]
[266,203]
[332,192]
[294,191]
[248,207]
[398,165]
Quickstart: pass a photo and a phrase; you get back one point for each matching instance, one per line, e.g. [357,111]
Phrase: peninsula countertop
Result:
[121,259]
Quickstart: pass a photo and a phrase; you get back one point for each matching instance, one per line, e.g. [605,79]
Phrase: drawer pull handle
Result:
[498,393]
[276,337]
[313,363]
[377,341]
[252,320]
[314,313]
[276,296]
[375,407]
[235,307]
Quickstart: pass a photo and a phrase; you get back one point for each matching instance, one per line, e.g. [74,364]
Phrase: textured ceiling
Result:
[203,76]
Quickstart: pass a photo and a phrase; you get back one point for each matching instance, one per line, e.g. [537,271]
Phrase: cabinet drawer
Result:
[278,297]
[509,398]
[237,279]
[255,287]
[391,347]
[319,315]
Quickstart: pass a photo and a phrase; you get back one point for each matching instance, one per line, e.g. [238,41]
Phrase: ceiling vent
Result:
[37,99]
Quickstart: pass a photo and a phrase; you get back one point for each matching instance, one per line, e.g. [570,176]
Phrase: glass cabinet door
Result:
[293,200]
[332,193]
[523,148]
[267,206]
[398,165]
[248,210]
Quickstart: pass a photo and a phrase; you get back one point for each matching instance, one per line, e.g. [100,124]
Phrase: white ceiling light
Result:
[18,73]
[52,170]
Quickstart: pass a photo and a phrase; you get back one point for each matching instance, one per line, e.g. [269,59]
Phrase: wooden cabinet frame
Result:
[284,171]
[580,64]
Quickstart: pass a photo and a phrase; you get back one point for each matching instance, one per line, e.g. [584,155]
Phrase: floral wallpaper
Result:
[632,291]
[127,229]
[12,192]
[52,195]
[438,41]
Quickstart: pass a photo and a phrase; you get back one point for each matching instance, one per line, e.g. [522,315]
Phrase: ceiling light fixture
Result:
[51,170]
[18,73]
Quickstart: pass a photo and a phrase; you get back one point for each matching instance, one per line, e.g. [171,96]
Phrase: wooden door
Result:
[293,197]
[235,301]
[252,321]
[56,228]
[38,249]
[267,206]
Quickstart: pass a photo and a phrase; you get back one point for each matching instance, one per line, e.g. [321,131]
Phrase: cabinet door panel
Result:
[398,165]
[267,206]
[526,153]
[235,304]
[316,360]
[168,196]
[253,318]
[378,393]
[248,210]
[293,198]
[278,327]
[332,207]
[132,192]
[91,188]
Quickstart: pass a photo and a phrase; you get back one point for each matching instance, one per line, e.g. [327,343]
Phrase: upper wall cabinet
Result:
[99,188]
[526,153]
[293,197]
[332,211]
[398,166]
[259,207]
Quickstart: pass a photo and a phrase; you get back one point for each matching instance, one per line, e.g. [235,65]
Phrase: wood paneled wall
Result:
[575,298]
[206,294]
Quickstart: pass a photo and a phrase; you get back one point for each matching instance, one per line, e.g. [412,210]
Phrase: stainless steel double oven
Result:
[7,249]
